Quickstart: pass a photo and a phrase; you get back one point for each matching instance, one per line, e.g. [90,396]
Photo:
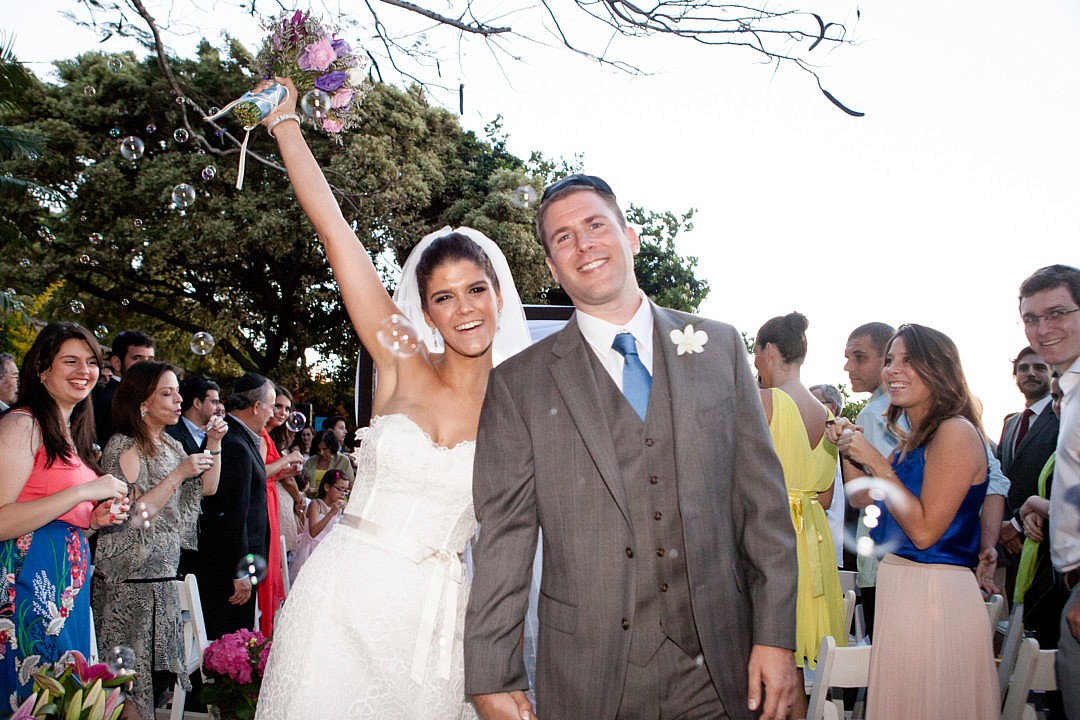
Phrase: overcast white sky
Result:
[961,179]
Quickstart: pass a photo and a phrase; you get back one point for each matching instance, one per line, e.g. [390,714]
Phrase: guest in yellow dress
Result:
[797,425]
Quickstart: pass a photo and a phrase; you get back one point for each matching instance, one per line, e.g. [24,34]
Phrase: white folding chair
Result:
[995,606]
[195,642]
[1034,671]
[94,655]
[846,667]
[1014,634]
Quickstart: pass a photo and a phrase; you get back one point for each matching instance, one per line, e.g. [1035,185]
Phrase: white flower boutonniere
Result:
[689,340]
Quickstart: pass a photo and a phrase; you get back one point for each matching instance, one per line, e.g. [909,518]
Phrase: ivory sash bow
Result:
[445,584]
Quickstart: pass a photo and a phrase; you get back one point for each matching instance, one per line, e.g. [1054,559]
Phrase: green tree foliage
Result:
[246,265]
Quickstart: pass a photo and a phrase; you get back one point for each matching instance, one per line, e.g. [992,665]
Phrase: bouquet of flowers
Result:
[72,688]
[327,72]
[234,666]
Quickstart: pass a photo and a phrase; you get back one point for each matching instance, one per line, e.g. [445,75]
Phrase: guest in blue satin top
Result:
[960,543]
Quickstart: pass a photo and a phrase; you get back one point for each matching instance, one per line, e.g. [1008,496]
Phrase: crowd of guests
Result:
[167,477]
[139,477]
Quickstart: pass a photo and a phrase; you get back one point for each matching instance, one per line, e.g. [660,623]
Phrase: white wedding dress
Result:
[373,626]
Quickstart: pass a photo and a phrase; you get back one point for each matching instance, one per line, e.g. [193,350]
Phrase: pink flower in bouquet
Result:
[341,98]
[264,654]
[317,56]
[332,125]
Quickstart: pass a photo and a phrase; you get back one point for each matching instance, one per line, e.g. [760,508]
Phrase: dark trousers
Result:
[672,686]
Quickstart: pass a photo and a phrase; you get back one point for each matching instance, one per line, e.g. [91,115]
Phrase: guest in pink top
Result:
[51,498]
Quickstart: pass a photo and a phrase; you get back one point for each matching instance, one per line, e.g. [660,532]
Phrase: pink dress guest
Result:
[306,544]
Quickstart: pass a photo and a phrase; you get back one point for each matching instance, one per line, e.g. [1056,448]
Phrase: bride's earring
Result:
[436,338]
[142,412]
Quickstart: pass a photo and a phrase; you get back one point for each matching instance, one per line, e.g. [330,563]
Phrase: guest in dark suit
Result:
[201,401]
[234,521]
[1028,438]
[128,348]
[635,439]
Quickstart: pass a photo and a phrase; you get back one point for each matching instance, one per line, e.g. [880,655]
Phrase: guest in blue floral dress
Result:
[49,501]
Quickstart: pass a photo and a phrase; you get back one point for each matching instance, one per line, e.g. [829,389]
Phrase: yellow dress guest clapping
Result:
[820,603]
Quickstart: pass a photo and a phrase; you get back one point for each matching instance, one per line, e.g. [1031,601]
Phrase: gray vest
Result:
[646,454]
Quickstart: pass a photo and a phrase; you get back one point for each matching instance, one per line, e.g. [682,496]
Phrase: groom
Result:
[669,568]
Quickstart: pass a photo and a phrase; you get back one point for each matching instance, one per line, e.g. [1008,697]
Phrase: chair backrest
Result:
[846,667]
[195,641]
[995,606]
[1034,670]
[847,580]
[1014,633]
[285,564]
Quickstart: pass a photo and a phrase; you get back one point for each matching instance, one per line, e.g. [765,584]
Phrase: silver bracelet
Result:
[278,120]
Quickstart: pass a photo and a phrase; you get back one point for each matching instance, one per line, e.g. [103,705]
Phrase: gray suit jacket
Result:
[545,459]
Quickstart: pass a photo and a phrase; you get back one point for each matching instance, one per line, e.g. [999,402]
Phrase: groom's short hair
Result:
[569,185]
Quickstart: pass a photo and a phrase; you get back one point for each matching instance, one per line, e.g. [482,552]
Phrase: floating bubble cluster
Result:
[209,172]
[181,135]
[115,63]
[882,493]
[24,263]
[77,306]
[202,343]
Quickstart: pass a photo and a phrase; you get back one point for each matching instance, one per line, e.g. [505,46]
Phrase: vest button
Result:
[625,624]
[630,552]
[657,515]
[649,442]
[663,587]
[661,552]
[653,479]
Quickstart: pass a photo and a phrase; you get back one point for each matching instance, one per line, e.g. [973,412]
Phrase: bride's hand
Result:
[287,106]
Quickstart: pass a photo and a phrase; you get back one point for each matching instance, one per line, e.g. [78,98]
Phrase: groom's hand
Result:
[504,706]
[773,668]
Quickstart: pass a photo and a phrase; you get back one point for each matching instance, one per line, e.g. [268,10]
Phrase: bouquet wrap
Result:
[250,109]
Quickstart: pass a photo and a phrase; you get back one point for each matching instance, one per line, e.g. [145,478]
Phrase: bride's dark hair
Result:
[451,248]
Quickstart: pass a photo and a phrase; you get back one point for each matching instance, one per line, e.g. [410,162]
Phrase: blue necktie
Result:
[636,380]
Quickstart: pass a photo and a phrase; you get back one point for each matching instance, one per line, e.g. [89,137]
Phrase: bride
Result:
[373,626]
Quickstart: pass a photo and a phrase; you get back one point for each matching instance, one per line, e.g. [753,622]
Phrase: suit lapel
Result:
[243,432]
[683,385]
[576,383]
[1040,422]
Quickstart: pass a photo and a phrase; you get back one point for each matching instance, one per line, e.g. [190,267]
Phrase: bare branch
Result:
[477,28]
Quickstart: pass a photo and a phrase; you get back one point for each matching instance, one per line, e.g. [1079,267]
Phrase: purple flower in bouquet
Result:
[331,81]
[317,56]
[341,48]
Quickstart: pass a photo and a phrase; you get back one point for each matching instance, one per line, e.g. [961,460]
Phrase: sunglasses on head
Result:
[577,180]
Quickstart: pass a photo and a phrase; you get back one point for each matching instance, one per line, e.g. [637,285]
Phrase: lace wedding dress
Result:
[373,626]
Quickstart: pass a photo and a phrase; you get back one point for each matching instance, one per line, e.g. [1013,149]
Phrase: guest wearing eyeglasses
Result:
[128,348]
[323,514]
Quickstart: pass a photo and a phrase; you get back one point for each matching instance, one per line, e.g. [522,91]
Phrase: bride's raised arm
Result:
[366,300]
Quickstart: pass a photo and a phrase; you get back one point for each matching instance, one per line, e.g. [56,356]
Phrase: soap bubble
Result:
[183,195]
[114,132]
[143,516]
[296,421]
[132,148]
[125,302]
[77,306]
[397,334]
[44,232]
[120,659]
[209,172]
[181,135]
[95,238]
[315,104]
[883,541]
[24,263]
[202,343]
[151,129]
[137,222]
[251,568]
[89,91]
[115,63]
[214,110]
[101,332]
[523,196]
[84,259]
[180,100]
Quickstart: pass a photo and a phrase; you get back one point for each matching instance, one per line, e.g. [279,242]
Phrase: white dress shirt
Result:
[600,334]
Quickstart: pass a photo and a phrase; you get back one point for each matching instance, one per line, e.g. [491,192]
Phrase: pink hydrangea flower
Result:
[317,56]
[332,125]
